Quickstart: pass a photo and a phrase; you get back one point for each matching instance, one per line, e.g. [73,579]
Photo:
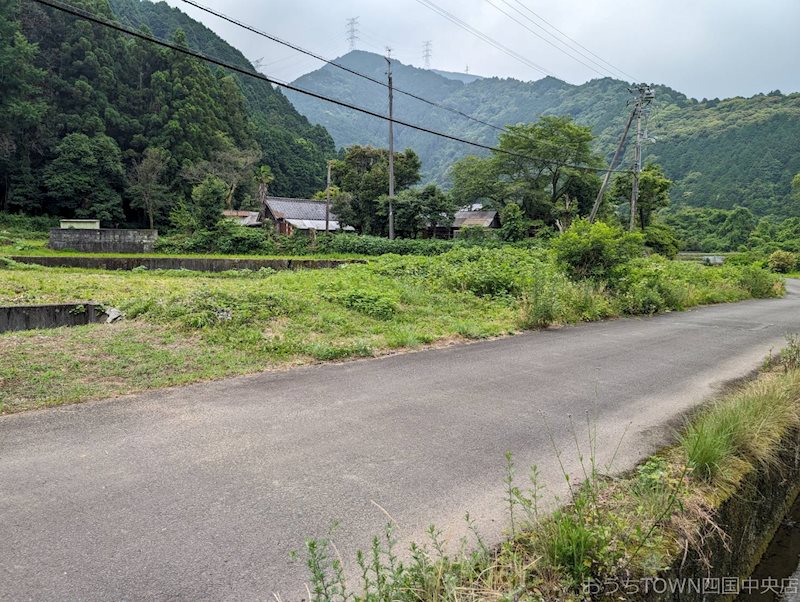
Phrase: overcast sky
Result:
[704,48]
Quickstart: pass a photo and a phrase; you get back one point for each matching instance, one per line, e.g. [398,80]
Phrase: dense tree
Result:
[416,211]
[737,226]
[514,225]
[535,170]
[477,180]
[86,178]
[208,200]
[654,189]
[61,77]
[22,111]
[234,166]
[363,172]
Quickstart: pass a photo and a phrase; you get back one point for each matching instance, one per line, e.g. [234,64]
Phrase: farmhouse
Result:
[243,218]
[465,218]
[290,215]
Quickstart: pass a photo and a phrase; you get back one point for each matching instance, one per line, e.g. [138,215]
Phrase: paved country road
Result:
[201,492]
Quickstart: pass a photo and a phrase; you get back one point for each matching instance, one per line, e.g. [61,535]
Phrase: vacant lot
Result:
[182,327]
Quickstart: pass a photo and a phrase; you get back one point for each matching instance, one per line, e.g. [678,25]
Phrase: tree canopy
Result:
[89,115]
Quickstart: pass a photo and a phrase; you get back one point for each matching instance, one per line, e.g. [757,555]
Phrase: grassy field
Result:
[183,327]
[31,247]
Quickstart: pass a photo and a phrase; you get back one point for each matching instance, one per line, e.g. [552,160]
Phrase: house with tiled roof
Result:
[290,215]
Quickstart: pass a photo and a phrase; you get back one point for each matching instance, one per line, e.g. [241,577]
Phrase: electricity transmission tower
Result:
[644,96]
[352,32]
[427,51]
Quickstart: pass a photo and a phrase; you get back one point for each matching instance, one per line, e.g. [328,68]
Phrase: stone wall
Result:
[103,240]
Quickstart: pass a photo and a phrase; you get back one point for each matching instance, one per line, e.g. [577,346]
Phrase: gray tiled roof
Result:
[474,218]
[302,209]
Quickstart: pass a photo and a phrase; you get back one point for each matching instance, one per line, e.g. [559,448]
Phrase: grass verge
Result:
[612,530]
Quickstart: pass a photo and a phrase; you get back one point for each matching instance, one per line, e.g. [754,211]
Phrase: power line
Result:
[76,12]
[521,24]
[601,59]
[354,22]
[603,70]
[482,36]
[278,40]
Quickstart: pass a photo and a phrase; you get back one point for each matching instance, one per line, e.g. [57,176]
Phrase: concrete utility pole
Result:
[352,32]
[328,200]
[391,148]
[607,178]
[427,51]
[644,98]
[637,165]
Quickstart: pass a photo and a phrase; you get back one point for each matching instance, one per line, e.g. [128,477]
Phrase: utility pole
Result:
[427,51]
[328,201]
[607,178]
[352,32]
[637,165]
[391,146]
[644,97]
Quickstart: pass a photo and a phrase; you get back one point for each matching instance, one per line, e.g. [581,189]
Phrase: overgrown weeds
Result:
[358,310]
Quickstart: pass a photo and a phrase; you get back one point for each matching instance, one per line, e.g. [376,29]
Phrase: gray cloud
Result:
[704,48]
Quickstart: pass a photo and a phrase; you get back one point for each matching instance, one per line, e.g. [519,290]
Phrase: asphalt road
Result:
[202,492]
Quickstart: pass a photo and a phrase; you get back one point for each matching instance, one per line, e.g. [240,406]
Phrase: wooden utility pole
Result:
[391,150]
[328,200]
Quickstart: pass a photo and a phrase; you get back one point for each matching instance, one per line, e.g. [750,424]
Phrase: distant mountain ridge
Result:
[466,78]
[721,153]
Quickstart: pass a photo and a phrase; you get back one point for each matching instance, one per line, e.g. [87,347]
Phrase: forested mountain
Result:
[720,153]
[90,117]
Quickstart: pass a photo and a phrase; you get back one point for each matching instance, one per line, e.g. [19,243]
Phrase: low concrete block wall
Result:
[748,519]
[29,317]
[198,264]
[103,240]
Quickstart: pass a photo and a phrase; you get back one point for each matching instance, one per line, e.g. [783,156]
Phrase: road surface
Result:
[202,492]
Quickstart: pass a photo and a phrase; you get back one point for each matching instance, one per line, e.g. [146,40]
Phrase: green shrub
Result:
[514,223]
[593,250]
[782,262]
[759,282]
[662,239]
[487,271]
[369,302]
[26,226]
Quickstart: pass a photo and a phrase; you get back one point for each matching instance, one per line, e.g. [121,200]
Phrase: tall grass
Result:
[746,426]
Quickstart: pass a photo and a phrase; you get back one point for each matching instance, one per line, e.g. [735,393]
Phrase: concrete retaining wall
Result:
[28,317]
[179,263]
[749,519]
[103,240]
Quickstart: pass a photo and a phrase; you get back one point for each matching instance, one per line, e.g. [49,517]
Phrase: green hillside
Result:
[94,123]
[294,149]
[721,153]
